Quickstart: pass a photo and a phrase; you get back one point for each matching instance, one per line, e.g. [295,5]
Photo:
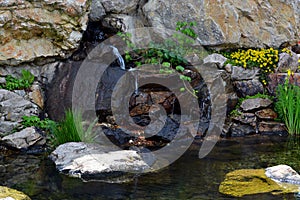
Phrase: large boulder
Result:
[37,29]
[230,23]
[92,161]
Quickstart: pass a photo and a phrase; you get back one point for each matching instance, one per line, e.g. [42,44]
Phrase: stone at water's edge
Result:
[93,162]
[11,194]
[37,29]
[252,181]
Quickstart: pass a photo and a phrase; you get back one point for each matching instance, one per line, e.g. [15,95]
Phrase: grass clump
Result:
[288,106]
[13,83]
[71,129]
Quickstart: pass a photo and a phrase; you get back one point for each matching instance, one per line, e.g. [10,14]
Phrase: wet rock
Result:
[91,161]
[216,58]
[271,128]
[283,173]
[11,194]
[240,130]
[266,114]
[34,30]
[257,103]
[246,118]
[24,139]
[240,73]
[252,181]
[248,88]
[287,62]
[243,24]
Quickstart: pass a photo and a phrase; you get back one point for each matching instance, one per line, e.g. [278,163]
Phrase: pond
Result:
[188,178]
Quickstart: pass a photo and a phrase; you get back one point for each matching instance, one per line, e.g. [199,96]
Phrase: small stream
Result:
[188,178]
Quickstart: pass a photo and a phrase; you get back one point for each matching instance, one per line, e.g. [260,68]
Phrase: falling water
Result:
[120,58]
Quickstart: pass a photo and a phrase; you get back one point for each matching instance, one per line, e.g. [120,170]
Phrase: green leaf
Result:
[180,68]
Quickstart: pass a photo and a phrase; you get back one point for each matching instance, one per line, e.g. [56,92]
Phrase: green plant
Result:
[45,124]
[13,83]
[71,129]
[288,106]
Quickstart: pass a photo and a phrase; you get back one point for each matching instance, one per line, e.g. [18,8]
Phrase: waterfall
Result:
[120,58]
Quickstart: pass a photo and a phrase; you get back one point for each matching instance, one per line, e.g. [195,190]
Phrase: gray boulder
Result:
[288,62]
[257,103]
[92,161]
[216,58]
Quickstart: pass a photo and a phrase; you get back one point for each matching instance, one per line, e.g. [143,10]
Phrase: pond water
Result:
[188,178]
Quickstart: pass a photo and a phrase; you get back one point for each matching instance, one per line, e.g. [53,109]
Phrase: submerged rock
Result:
[252,181]
[94,162]
[11,194]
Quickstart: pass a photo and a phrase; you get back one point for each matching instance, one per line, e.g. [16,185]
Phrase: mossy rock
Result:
[6,192]
[253,181]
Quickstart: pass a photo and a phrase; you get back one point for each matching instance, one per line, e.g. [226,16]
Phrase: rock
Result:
[122,22]
[11,194]
[252,181]
[240,130]
[296,48]
[31,30]
[2,80]
[36,95]
[24,139]
[246,118]
[279,78]
[230,23]
[248,88]
[6,127]
[283,173]
[97,11]
[13,106]
[216,58]
[257,103]
[91,161]
[119,6]
[287,62]
[228,68]
[271,128]
[240,74]
[266,114]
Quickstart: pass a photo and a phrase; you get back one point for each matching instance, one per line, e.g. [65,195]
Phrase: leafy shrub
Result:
[288,106]
[45,124]
[13,83]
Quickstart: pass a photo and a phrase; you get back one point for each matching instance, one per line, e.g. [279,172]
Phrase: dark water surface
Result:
[188,178]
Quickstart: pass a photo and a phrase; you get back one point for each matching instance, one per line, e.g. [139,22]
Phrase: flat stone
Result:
[246,118]
[11,194]
[266,114]
[24,139]
[240,73]
[271,128]
[257,103]
[283,173]
[252,181]
[89,161]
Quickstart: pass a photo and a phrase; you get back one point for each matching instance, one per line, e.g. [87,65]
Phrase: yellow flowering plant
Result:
[265,59]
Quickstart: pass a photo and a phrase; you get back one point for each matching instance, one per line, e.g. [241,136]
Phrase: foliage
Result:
[288,106]
[13,83]
[45,124]
[71,129]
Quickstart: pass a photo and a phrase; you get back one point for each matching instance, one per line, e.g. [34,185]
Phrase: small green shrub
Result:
[71,129]
[13,83]
[45,124]
[288,106]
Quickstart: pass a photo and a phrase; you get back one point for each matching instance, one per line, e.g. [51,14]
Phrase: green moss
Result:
[252,181]
[8,192]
